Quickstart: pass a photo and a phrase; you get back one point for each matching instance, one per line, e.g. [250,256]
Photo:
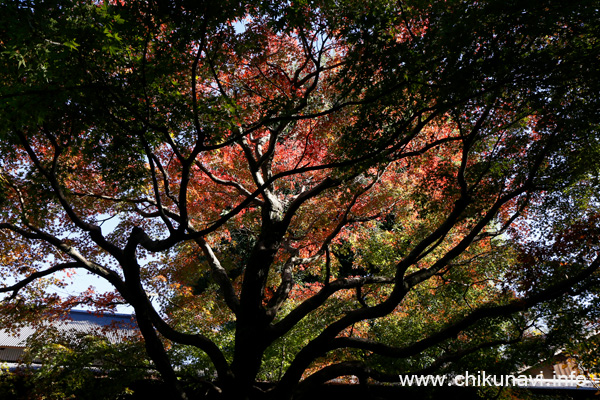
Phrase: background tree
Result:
[315,189]
[76,366]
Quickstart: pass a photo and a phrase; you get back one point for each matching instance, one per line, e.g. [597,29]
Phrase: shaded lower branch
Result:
[469,320]
[361,370]
[345,368]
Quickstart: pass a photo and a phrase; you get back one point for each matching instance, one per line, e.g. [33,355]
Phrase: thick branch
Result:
[94,230]
[156,187]
[220,276]
[286,284]
[37,275]
[37,234]
[225,182]
[314,302]
[283,290]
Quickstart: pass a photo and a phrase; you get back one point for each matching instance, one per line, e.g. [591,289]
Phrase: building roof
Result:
[559,372]
[115,327]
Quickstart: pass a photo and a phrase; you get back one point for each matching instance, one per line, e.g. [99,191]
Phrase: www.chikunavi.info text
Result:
[481,378]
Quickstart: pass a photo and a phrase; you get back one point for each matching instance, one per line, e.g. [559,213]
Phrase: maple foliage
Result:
[309,190]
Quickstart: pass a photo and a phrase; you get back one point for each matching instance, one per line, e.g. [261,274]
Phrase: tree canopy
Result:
[310,189]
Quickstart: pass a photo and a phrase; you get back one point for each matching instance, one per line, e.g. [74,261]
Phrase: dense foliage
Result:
[312,189]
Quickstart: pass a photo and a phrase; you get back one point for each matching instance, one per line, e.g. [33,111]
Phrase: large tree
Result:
[315,189]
